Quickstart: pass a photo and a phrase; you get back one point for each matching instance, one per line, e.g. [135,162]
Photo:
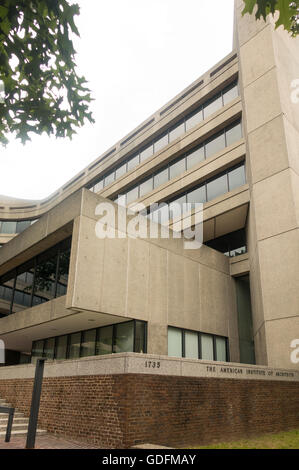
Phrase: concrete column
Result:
[269,64]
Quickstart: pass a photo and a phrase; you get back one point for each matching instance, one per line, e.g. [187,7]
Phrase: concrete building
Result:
[229,141]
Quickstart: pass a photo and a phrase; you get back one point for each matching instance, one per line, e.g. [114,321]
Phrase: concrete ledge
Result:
[132,363]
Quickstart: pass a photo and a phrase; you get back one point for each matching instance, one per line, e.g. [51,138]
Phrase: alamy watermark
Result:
[117,221]
[2,91]
[295,353]
[295,92]
[2,352]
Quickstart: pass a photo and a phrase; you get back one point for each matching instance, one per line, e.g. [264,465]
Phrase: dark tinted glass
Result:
[23,287]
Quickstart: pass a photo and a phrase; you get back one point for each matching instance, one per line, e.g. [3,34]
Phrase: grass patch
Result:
[282,440]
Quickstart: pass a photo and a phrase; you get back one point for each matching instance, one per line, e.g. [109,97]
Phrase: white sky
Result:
[136,55]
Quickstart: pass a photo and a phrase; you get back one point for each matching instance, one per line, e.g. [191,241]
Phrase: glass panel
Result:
[104,343]
[37,350]
[21,226]
[197,196]
[75,341]
[212,106]
[88,343]
[146,153]
[24,286]
[121,170]
[63,267]
[140,337]
[146,187]
[161,215]
[230,94]
[8,227]
[161,143]
[133,162]
[61,347]
[98,186]
[217,187]
[25,358]
[5,299]
[236,178]
[49,348]
[233,134]
[6,293]
[109,178]
[177,208]
[177,168]
[175,342]
[194,119]
[176,131]
[207,351]
[133,195]
[124,338]
[195,157]
[45,276]
[191,345]
[221,349]
[161,178]
[216,144]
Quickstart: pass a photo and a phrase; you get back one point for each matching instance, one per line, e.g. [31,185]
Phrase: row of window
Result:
[207,191]
[121,337]
[218,142]
[11,227]
[130,336]
[39,280]
[202,112]
[196,345]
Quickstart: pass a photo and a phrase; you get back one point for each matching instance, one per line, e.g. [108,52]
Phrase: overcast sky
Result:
[136,55]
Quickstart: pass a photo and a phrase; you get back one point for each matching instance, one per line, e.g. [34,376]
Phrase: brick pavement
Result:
[46,441]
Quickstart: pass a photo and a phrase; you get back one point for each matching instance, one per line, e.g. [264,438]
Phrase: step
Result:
[17,414]
[22,432]
[15,427]
[3,421]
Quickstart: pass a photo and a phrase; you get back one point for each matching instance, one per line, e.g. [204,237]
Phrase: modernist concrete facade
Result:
[229,141]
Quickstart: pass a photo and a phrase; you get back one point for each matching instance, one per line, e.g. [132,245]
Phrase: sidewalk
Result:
[45,441]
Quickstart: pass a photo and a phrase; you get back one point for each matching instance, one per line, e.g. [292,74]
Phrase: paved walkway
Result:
[45,441]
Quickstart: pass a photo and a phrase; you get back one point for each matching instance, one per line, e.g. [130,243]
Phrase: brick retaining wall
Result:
[118,411]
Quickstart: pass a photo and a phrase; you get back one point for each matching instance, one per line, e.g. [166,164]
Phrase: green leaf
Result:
[43,92]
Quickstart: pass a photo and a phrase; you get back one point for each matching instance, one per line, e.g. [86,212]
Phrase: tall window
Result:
[40,279]
[196,345]
[129,336]
[203,111]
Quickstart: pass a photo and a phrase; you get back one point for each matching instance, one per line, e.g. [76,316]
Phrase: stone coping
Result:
[132,363]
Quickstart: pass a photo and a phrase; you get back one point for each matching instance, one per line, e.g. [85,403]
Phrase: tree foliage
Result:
[42,90]
[288,12]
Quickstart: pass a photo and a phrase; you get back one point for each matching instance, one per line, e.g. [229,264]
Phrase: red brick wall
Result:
[122,410]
